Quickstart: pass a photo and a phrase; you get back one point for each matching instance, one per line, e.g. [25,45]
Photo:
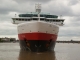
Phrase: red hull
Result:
[37,42]
[37,36]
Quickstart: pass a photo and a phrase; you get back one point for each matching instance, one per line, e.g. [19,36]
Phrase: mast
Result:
[38,10]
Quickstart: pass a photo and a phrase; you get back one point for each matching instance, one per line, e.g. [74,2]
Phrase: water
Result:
[62,51]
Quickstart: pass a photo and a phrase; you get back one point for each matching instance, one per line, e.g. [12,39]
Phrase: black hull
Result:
[37,46]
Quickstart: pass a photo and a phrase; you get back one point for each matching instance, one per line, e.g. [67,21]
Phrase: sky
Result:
[69,9]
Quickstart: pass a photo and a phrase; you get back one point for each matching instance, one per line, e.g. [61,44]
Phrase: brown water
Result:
[62,51]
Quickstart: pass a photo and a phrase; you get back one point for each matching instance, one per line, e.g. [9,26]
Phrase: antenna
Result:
[38,8]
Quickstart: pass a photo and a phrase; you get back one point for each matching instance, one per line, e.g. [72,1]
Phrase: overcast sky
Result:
[69,9]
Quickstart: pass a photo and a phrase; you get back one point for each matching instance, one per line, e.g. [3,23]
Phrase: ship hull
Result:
[37,46]
[37,36]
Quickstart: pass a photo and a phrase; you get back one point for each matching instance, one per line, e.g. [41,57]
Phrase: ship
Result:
[37,31]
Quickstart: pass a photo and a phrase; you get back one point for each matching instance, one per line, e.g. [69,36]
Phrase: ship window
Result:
[58,20]
[41,15]
[34,15]
[22,19]
[25,19]
[54,20]
[28,19]
[34,19]
[47,20]
[19,19]
[16,19]
[41,19]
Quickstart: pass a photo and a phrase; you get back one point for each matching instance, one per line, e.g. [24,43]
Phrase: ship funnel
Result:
[38,8]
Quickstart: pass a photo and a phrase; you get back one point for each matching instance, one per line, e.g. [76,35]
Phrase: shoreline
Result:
[56,42]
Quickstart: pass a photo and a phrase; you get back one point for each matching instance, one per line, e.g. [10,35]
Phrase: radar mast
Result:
[38,9]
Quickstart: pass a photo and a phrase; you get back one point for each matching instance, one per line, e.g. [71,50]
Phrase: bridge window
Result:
[42,16]
[58,20]
[16,19]
[35,15]
[19,19]
[25,19]
[47,20]
[28,19]
[35,19]
[54,20]
[41,19]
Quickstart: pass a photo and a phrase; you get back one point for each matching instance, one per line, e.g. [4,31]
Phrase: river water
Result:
[62,51]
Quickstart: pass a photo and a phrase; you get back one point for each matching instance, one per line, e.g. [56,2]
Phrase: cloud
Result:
[73,2]
[7,28]
[41,1]
[76,9]
[71,29]
[7,6]
[58,7]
